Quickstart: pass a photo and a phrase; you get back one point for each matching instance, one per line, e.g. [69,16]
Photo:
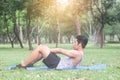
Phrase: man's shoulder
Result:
[77,52]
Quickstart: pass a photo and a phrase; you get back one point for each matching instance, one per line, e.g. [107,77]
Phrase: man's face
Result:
[75,45]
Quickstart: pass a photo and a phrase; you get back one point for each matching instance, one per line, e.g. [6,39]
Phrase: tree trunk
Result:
[21,33]
[38,31]
[16,32]
[38,39]
[28,33]
[90,21]
[69,37]
[118,37]
[58,33]
[77,23]
[99,36]
[20,28]
[38,35]
[11,41]
[50,39]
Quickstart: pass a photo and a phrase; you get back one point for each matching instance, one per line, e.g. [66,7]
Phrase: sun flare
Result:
[63,2]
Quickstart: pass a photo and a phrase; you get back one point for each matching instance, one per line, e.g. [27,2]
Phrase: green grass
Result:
[110,55]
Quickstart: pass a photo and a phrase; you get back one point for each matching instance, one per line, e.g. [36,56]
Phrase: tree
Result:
[36,10]
[14,6]
[112,30]
[9,13]
[101,14]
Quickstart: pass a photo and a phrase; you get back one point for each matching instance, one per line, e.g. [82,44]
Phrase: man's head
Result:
[81,41]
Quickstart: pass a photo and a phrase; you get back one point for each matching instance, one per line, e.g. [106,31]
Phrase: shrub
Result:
[113,42]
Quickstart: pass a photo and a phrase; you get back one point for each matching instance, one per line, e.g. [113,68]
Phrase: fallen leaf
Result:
[83,78]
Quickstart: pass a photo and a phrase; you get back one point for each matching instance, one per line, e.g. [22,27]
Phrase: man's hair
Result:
[82,39]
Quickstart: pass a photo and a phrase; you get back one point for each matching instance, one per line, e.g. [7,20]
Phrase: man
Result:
[51,60]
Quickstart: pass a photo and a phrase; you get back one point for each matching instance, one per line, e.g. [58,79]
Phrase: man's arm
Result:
[69,53]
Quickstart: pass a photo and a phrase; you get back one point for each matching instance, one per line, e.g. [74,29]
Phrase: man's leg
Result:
[37,54]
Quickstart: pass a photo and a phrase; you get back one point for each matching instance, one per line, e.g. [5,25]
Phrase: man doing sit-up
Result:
[51,60]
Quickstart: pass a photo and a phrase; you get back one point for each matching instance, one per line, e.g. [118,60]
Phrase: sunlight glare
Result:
[63,2]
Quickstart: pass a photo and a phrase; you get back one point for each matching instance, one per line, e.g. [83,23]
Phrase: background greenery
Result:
[50,21]
[28,23]
[109,55]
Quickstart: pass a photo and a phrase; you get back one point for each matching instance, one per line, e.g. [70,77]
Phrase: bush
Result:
[113,42]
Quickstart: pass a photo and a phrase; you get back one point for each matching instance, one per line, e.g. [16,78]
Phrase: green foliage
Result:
[112,29]
[48,10]
[117,42]
[117,10]
[103,11]
[108,29]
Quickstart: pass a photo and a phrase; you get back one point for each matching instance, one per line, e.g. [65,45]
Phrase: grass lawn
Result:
[109,55]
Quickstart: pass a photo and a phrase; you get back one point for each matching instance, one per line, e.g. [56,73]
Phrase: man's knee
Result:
[43,48]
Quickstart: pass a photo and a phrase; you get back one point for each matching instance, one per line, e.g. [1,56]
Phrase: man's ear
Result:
[80,45]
